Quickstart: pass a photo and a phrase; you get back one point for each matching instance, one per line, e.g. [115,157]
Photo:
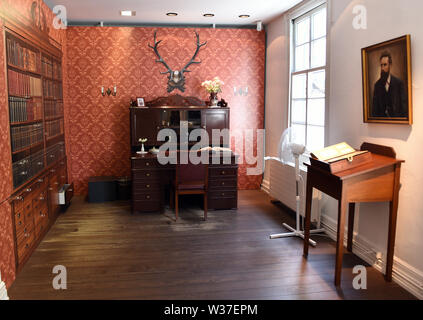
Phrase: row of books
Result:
[54,128]
[25,136]
[52,89]
[53,108]
[28,167]
[55,152]
[22,56]
[22,109]
[51,68]
[21,84]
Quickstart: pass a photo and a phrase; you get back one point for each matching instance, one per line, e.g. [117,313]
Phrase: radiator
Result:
[3,292]
[282,188]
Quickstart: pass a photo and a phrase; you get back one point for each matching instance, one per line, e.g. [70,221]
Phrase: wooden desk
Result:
[377,180]
[149,179]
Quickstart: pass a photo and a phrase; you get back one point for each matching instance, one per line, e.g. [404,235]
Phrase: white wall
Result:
[277,85]
[386,19]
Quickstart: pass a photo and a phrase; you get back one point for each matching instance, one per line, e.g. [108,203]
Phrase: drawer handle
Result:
[41,198]
[147,174]
[19,198]
[56,183]
[147,164]
[147,197]
[19,215]
[52,170]
[28,190]
[62,177]
[40,180]
[40,164]
[223,194]
[147,186]
[223,183]
[51,189]
[223,172]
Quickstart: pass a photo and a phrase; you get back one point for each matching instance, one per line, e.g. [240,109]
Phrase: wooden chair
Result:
[191,179]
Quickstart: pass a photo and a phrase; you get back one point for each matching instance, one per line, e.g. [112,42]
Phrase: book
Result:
[336,152]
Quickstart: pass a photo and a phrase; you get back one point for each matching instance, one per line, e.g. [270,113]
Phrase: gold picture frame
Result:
[387,85]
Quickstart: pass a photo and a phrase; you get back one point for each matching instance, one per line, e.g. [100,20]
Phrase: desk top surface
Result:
[378,162]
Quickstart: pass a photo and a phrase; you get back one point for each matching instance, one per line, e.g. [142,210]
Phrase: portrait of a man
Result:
[387,82]
[389,94]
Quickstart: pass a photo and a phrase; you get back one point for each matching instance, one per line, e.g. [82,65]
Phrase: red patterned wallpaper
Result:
[20,9]
[98,127]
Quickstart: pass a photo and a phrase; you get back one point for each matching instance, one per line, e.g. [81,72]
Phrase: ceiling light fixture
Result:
[127,13]
[208,15]
[244,16]
[171,14]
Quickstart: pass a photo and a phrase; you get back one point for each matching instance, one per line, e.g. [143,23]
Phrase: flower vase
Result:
[213,99]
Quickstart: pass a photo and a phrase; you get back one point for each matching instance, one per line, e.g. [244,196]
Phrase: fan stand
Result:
[297,231]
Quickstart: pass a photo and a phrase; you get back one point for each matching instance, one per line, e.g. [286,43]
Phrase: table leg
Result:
[393,211]
[342,209]
[307,222]
[351,213]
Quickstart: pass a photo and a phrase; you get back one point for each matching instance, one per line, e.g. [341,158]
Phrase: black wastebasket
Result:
[124,185]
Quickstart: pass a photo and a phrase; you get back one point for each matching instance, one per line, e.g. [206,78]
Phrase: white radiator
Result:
[3,291]
[282,188]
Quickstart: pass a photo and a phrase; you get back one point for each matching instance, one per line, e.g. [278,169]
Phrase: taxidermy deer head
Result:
[176,78]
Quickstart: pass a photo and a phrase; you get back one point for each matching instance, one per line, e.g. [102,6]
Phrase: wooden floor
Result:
[111,254]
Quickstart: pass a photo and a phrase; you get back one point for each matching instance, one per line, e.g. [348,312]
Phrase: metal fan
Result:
[289,151]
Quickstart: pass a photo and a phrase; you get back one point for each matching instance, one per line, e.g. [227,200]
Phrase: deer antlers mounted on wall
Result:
[176,78]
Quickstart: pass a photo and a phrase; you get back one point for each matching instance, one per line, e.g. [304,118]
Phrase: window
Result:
[308,78]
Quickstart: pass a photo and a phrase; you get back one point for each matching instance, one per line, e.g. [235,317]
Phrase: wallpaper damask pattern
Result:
[98,127]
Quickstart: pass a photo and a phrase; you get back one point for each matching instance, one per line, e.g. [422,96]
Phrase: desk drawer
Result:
[223,184]
[223,172]
[144,164]
[150,175]
[222,194]
[145,186]
[146,206]
[146,196]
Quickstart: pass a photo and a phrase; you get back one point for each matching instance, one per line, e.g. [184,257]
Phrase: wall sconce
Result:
[241,91]
[108,91]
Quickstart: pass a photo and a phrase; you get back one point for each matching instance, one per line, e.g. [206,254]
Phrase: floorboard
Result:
[111,254]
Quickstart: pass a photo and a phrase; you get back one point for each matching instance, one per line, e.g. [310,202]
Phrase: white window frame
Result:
[296,13]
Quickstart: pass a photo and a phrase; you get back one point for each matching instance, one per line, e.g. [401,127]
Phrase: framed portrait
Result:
[140,102]
[387,86]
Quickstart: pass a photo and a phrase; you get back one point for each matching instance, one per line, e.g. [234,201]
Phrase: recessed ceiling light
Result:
[127,13]
[171,14]
[208,15]
[244,16]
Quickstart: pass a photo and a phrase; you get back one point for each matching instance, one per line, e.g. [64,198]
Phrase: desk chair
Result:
[191,179]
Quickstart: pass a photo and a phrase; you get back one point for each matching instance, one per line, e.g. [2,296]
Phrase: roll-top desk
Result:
[150,178]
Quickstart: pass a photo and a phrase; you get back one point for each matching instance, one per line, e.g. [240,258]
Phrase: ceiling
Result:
[189,11]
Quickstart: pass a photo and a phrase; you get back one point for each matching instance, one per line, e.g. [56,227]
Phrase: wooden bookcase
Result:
[35,97]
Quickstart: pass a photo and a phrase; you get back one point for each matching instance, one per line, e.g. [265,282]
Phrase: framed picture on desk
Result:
[140,102]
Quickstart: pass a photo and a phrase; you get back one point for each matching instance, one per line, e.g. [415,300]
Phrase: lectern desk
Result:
[370,177]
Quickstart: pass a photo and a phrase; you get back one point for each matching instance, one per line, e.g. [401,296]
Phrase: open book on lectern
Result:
[336,152]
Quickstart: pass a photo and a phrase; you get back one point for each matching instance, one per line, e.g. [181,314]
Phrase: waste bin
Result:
[124,185]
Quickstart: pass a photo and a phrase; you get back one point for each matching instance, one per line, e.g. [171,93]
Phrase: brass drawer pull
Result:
[28,190]
[41,198]
[147,164]
[147,186]
[19,198]
[147,197]
[223,183]
[147,174]
[223,194]
[223,172]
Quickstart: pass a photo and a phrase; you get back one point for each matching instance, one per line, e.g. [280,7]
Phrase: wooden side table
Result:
[373,177]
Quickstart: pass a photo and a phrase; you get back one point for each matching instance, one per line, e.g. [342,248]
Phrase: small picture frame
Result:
[140,102]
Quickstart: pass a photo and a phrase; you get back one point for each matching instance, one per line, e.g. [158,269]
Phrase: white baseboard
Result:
[405,275]
[3,291]
[265,186]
